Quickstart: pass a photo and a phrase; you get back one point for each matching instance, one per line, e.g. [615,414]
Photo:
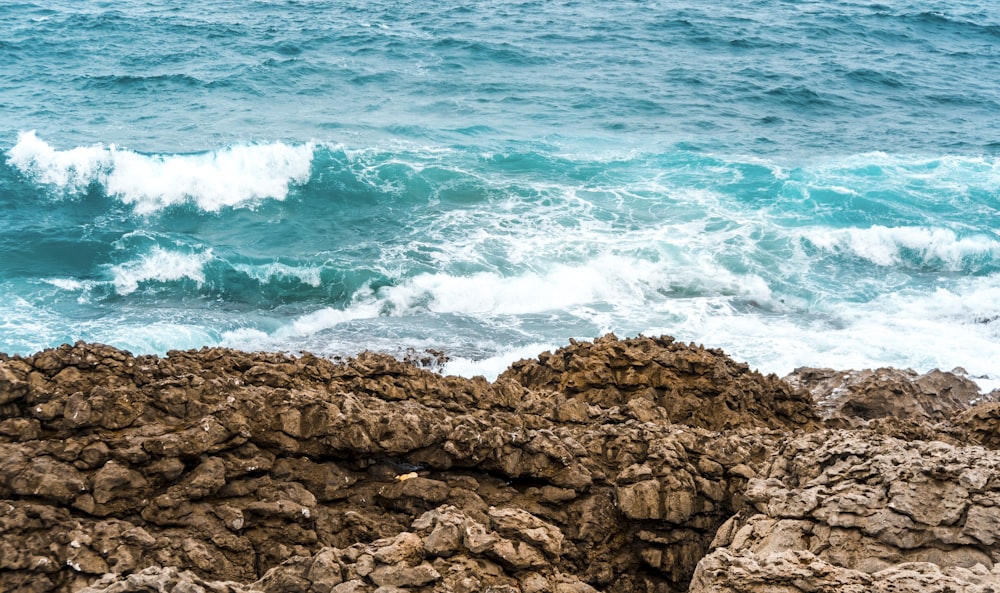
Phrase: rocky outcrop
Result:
[840,510]
[848,399]
[937,405]
[640,465]
[690,386]
[445,550]
[980,424]
[229,466]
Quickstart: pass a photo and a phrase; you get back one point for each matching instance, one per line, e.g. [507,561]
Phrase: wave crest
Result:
[238,175]
[160,265]
[894,246]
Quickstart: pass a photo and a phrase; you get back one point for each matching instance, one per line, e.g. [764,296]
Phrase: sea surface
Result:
[797,182]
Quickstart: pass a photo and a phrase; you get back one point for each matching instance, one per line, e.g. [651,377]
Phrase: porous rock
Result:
[857,510]
[848,399]
[273,472]
[639,465]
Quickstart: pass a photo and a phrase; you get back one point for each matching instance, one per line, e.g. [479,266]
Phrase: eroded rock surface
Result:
[847,399]
[858,511]
[640,465]
[797,571]
[936,405]
[252,468]
[690,386]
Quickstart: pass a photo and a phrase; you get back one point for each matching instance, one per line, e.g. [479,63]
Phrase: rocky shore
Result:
[640,465]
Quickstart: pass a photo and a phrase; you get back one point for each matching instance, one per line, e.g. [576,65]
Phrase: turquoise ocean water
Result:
[799,183]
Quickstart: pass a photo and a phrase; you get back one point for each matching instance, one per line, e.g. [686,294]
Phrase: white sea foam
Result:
[884,246]
[490,293]
[939,328]
[73,169]
[926,180]
[943,328]
[311,275]
[619,282]
[159,265]
[492,366]
[28,327]
[247,338]
[326,318]
[229,177]
[155,336]
[69,284]
[601,294]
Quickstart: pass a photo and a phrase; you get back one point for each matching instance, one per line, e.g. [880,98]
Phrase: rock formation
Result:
[851,398]
[618,465]
[860,512]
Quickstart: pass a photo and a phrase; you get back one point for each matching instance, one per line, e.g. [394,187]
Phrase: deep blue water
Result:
[799,183]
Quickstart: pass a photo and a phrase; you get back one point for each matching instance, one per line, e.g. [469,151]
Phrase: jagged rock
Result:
[981,424]
[652,376]
[843,510]
[615,465]
[388,564]
[161,579]
[229,465]
[793,571]
[848,399]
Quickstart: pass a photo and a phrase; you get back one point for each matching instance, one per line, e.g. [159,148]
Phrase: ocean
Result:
[797,182]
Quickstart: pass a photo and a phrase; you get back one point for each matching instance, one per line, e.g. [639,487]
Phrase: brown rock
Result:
[980,424]
[12,382]
[444,540]
[850,398]
[842,510]
[517,555]
[610,465]
[687,384]
[405,576]
[115,480]
[404,548]
[801,571]
[520,524]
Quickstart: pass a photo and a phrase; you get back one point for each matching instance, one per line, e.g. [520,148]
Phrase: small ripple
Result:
[131,80]
[874,77]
